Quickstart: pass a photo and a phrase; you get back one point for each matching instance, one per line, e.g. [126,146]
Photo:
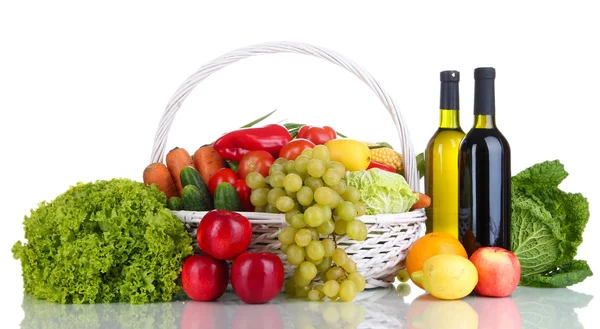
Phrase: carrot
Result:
[423,202]
[157,173]
[177,159]
[207,161]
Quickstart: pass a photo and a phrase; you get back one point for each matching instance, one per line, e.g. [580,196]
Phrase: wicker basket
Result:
[381,256]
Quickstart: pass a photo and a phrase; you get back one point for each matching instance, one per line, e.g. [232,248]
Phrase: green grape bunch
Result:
[318,207]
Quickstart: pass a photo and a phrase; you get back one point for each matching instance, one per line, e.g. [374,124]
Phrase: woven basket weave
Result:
[381,256]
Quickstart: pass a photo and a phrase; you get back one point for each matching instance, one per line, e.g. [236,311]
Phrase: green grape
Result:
[346,211]
[290,214]
[302,291]
[285,203]
[291,195]
[340,188]
[335,273]
[304,196]
[328,247]
[307,152]
[313,216]
[300,163]
[351,194]
[331,314]
[347,290]
[334,297]
[326,228]
[314,295]
[403,289]
[324,195]
[272,209]
[314,233]
[315,250]
[297,221]
[337,200]
[321,152]
[326,211]
[255,180]
[276,167]
[286,236]
[275,194]
[295,254]
[331,288]
[314,261]
[260,209]
[339,256]
[319,288]
[292,182]
[323,275]
[276,179]
[358,280]
[340,227]
[402,276]
[280,161]
[290,287]
[315,167]
[303,237]
[258,198]
[284,248]
[313,182]
[350,266]
[356,230]
[307,270]
[324,265]
[331,177]
[339,168]
[289,166]
[360,208]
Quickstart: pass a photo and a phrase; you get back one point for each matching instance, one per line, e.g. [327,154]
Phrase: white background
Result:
[83,86]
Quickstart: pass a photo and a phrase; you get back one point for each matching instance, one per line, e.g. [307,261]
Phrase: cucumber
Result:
[191,177]
[175,203]
[226,198]
[193,200]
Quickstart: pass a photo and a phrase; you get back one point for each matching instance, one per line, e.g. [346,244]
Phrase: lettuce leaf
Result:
[382,192]
[547,225]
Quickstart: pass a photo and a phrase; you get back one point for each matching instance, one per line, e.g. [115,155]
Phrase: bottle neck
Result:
[449,119]
[484,121]
[485,102]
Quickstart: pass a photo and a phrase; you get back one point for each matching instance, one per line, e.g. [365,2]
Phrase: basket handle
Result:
[160,140]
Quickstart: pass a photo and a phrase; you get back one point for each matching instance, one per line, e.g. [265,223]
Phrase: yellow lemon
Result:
[354,155]
[447,276]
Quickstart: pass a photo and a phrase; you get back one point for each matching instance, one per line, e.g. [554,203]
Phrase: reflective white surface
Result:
[381,308]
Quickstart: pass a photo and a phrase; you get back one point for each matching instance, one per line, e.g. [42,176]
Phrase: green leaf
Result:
[421,165]
[250,124]
[563,276]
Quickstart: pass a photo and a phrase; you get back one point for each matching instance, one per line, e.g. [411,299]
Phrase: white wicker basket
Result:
[381,256]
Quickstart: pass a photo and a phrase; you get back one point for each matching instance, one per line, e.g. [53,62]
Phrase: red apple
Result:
[257,277]
[224,234]
[204,278]
[499,271]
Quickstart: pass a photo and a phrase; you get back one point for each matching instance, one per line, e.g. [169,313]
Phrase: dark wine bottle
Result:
[484,174]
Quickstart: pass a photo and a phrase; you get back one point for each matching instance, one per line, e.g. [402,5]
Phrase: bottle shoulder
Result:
[488,138]
[446,137]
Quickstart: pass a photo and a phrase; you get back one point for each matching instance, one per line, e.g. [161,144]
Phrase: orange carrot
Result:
[157,173]
[207,161]
[177,159]
[423,202]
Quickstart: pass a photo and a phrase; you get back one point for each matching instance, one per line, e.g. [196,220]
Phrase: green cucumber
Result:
[175,203]
[226,198]
[191,177]
[192,199]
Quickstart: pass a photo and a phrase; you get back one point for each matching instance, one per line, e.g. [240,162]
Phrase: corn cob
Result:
[386,155]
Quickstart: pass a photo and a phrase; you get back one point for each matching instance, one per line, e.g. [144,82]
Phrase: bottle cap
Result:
[483,73]
[446,76]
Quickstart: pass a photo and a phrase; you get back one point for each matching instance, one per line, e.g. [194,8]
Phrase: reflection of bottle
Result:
[441,160]
[484,174]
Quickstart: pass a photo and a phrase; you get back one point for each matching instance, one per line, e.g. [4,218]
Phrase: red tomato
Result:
[204,278]
[257,278]
[222,175]
[317,135]
[294,148]
[259,161]
[244,191]
[224,234]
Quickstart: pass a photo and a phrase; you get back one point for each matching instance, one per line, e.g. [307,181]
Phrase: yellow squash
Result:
[353,154]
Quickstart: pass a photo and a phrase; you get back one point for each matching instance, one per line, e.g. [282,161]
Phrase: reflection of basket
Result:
[382,254]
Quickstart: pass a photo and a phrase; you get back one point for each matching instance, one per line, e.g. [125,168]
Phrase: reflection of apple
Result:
[499,271]
[205,315]
[491,318]
[429,312]
[265,316]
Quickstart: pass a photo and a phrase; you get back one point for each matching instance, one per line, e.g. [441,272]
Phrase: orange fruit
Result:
[430,245]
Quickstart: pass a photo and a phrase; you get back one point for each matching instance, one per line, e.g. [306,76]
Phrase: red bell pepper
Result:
[271,138]
[382,166]
[317,135]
